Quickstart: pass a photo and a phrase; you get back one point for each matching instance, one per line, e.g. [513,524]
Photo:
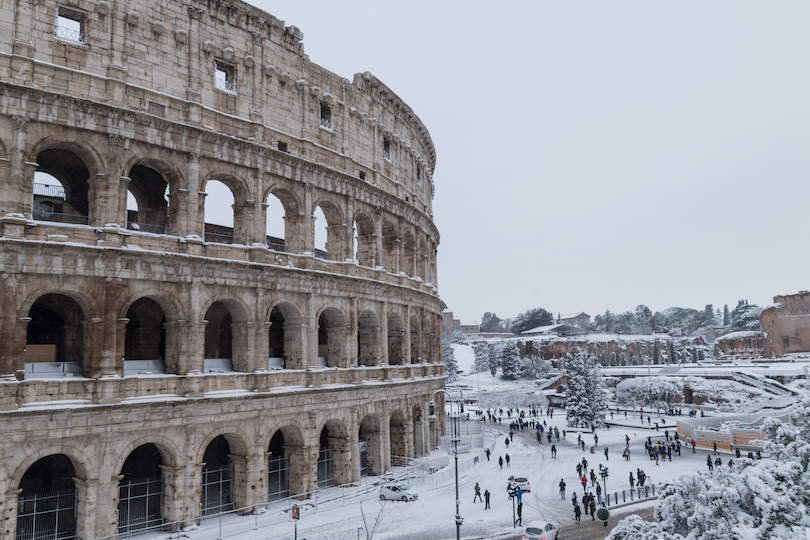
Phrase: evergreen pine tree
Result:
[511,366]
[450,364]
[481,352]
[493,359]
[596,391]
[584,391]
[726,316]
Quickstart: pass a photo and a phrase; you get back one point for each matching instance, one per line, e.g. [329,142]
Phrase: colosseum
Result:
[160,367]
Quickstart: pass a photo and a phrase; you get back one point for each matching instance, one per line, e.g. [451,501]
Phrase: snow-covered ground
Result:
[432,516]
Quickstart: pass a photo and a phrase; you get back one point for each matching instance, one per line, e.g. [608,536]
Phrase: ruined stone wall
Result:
[787,325]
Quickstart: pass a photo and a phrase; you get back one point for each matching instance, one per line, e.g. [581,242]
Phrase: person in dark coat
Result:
[577,512]
[632,480]
[487,453]
[486,499]
[585,501]
[500,461]
[592,505]
[574,499]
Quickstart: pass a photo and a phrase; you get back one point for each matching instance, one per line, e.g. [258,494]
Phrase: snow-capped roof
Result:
[552,328]
[740,335]
[573,315]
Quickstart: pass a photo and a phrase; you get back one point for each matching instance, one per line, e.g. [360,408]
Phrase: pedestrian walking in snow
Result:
[584,464]
[562,489]
[592,505]
[606,453]
[506,442]
[598,491]
[500,461]
[487,453]
[579,469]
[577,512]
[574,499]
[715,447]
[554,451]
[632,480]
[596,440]
[507,462]
[477,493]
[486,499]
[585,501]
[584,481]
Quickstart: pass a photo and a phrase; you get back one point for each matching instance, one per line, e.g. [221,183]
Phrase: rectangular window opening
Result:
[69,26]
[282,146]
[362,175]
[785,342]
[387,149]
[418,177]
[225,77]
[326,117]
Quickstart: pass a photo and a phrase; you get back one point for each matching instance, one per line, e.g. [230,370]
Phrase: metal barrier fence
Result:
[47,516]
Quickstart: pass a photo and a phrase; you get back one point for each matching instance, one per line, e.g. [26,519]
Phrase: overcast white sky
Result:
[597,154]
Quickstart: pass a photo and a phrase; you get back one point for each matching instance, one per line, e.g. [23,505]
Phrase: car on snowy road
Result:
[399,492]
[520,482]
[541,530]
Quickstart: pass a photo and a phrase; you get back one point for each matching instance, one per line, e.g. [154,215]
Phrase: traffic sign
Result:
[296,512]
[603,514]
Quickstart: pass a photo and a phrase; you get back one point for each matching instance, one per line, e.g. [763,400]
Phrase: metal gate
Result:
[326,468]
[140,505]
[47,516]
[278,478]
[217,490]
[363,458]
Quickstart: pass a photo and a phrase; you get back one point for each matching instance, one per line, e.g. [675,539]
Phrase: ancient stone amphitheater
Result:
[158,367]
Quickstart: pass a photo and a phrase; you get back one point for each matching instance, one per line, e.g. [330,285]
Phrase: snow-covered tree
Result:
[745,317]
[494,358]
[726,316]
[450,364]
[534,367]
[585,401]
[511,366]
[531,319]
[757,499]
[481,352]
[650,392]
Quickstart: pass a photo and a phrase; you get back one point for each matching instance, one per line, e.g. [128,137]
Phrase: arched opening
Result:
[145,338]
[46,508]
[390,255]
[319,225]
[418,432]
[278,469]
[367,339]
[275,223]
[61,188]
[54,342]
[370,437]
[421,258]
[331,336]
[219,213]
[140,491]
[225,338]
[399,440]
[329,232]
[395,340]
[416,338]
[364,240]
[217,478]
[148,192]
[285,338]
[334,457]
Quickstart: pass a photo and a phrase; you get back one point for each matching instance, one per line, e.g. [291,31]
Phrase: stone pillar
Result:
[242,479]
[243,347]
[342,459]
[299,468]
[310,331]
[194,68]
[406,346]
[351,338]
[385,435]
[350,254]
[12,329]
[354,445]
[378,243]
[243,222]
[173,495]
[375,448]
[11,200]
[10,513]
[93,339]
[86,508]
[307,222]
[408,434]
[189,198]
[383,334]
[418,438]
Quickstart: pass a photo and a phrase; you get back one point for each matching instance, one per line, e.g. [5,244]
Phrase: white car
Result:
[541,530]
[398,493]
[520,482]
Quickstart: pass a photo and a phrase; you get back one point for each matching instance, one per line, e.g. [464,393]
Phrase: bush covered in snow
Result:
[650,392]
[754,499]
[585,401]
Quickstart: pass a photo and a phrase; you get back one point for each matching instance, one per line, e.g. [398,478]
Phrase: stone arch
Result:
[370,446]
[335,229]
[49,499]
[390,254]
[141,502]
[241,215]
[225,337]
[60,326]
[428,345]
[74,166]
[80,461]
[421,255]
[331,338]
[367,326]
[290,242]
[284,334]
[416,341]
[169,451]
[400,436]
[225,480]
[364,230]
[334,454]
[396,339]
[286,461]
[151,181]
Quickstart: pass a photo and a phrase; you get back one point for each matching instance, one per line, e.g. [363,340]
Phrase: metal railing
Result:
[148,227]
[326,123]
[47,516]
[219,238]
[139,505]
[225,85]
[47,190]
[69,34]
[75,219]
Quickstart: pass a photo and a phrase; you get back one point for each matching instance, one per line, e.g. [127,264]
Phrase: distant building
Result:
[787,324]
[580,319]
[554,329]
[452,324]
[749,343]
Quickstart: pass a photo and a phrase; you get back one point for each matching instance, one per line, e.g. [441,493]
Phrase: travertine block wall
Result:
[133,89]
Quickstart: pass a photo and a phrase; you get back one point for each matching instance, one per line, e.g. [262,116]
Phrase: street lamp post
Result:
[455,438]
